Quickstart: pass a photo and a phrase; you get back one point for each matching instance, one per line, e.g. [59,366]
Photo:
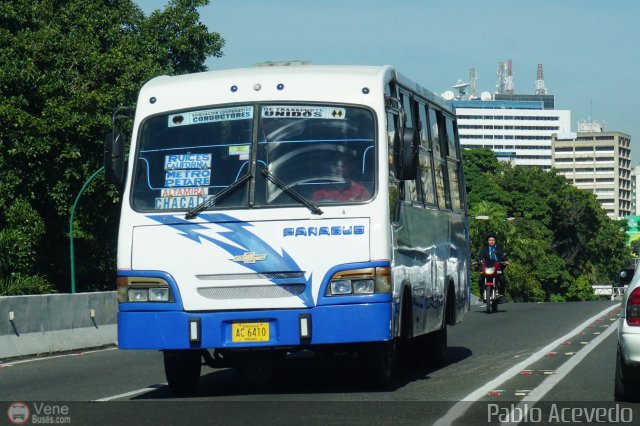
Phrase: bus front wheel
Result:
[379,359]
[182,369]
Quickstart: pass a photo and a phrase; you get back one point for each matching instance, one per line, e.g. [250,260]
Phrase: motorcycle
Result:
[490,274]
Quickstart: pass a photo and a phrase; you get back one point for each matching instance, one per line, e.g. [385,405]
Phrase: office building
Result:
[517,131]
[597,161]
[635,184]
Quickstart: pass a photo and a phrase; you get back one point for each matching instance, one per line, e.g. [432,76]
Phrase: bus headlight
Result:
[363,287]
[158,294]
[138,295]
[340,287]
[143,289]
[360,281]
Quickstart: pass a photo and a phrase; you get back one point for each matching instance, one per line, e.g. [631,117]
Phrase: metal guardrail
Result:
[609,290]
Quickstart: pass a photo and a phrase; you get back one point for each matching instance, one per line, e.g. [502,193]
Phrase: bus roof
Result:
[321,83]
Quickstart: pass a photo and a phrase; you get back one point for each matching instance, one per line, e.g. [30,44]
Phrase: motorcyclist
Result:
[490,253]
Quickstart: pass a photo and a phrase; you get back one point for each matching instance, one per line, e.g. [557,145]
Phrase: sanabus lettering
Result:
[318,231]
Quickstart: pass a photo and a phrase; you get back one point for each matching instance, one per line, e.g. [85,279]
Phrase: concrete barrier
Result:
[47,323]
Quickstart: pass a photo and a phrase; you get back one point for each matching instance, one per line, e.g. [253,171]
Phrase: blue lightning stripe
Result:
[245,241]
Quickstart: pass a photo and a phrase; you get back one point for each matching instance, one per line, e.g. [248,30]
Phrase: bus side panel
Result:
[421,255]
[461,259]
[431,250]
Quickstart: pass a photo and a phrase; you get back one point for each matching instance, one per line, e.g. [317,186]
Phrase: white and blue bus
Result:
[278,209]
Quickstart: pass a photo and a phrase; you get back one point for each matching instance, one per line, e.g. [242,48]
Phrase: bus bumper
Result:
[333,324]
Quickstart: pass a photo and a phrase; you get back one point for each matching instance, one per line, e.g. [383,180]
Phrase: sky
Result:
[589,49]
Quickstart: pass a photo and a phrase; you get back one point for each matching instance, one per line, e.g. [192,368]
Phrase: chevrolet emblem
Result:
[250,257]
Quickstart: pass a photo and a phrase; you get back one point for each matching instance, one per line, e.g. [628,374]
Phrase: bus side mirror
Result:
[626,275]
[114,164]
[405,153]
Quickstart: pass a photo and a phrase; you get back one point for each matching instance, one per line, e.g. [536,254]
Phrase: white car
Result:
[627,384]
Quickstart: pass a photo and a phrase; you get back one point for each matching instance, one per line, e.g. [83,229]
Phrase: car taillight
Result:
[633,307]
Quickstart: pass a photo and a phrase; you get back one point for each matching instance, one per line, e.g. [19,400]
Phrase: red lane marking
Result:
[552,354]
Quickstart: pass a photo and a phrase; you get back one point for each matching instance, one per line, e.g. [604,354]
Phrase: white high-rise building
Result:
[517,131]
[635,186]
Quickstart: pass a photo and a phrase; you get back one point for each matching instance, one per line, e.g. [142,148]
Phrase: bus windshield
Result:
[324,153]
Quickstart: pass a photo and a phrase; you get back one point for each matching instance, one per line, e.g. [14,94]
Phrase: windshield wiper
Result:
[210,202]
[291,192]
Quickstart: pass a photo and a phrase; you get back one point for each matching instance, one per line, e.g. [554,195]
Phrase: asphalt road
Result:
[543,360]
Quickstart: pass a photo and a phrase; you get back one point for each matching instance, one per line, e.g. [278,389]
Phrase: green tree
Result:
[521,285]
[581,289]
[482,173]
[527,190]
[560,241]
[635,247]
[64,67]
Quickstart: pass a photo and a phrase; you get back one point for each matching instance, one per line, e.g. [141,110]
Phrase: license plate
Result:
[250,332]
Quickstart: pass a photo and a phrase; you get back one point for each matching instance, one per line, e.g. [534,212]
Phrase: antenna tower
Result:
[509,79]
[473,78]
[540,89]
[501,73]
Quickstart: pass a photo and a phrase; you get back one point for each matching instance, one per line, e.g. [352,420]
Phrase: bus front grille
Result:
[252,291]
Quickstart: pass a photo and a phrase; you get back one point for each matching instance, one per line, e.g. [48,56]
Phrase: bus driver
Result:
[349,189]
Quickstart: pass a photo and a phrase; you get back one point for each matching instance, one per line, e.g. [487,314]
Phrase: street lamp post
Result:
[73,210]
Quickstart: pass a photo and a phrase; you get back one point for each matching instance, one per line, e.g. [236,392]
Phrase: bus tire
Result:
[433,347]
[408,347]
[182,369]
[379,362]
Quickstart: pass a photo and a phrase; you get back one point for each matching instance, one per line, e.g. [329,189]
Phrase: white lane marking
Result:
[78,353]
[547,384]
[463,405]
[132,393]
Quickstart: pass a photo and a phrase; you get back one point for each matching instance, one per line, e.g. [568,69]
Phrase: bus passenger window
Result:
[454,184]
[394,184]
[443,200]
[425,165]
[451,138]
[435,123]
[426,177]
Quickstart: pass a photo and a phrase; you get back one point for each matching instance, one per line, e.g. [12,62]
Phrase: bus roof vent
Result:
[296,62]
